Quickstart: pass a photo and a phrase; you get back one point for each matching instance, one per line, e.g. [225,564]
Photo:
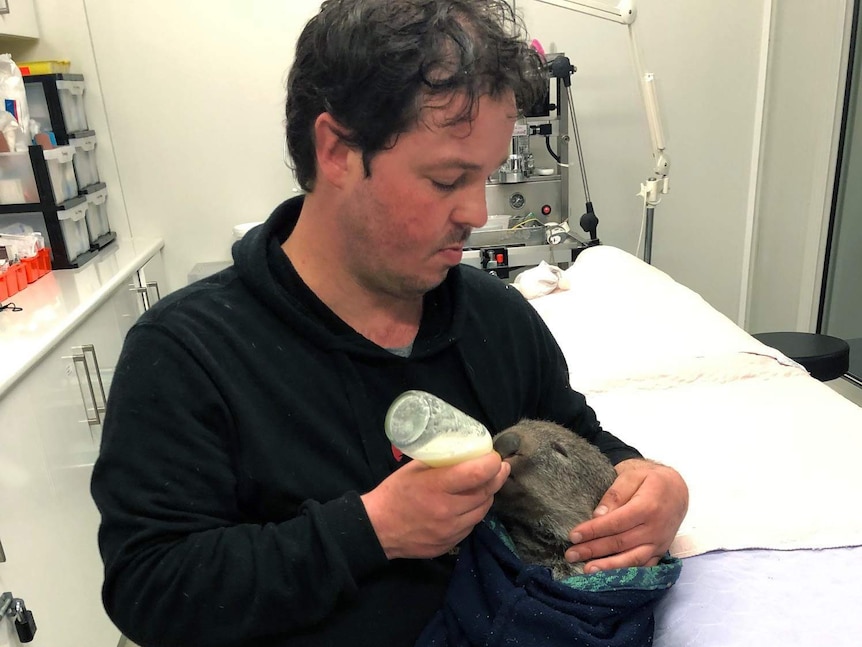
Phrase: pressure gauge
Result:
[517,200]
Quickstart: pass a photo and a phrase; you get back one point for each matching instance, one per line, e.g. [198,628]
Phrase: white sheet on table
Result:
[771,456]
[769,463]
[625,321]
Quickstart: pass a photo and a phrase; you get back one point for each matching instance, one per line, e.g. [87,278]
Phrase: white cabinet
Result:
[20,21]
[25,487]
[49,440]
[73,380]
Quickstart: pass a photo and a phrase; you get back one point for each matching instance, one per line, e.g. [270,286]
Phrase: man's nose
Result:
[473,209]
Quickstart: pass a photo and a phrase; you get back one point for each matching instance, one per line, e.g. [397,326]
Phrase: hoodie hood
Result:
[268,273]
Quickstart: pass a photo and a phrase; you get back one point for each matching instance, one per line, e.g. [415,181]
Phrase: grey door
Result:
[841,305]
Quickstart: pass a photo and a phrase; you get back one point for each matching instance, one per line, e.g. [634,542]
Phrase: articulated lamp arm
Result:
[625,13]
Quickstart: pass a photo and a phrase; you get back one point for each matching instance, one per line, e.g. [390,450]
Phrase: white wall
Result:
[194,96]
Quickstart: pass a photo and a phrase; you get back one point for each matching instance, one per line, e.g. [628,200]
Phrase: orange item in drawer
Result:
[11,283]
[44,257]
[19,274]
[37,266]
[4,291]
[31,268]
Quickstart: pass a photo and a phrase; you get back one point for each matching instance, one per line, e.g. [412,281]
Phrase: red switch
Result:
[546,210]
[500,258]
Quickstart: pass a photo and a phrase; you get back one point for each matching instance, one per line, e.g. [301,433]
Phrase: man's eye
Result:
[445,186]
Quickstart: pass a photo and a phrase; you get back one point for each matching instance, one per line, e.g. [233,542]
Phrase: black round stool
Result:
[825,357]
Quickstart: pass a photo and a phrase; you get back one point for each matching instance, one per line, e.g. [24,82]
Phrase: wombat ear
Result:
[557,447]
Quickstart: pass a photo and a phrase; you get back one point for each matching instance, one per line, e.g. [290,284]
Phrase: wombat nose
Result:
[507,444]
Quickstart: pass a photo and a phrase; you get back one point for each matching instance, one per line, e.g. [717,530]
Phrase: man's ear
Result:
[336,160]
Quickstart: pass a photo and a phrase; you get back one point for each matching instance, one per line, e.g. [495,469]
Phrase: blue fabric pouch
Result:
[495,599]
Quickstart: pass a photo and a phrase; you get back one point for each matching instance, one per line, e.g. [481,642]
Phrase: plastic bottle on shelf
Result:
[431,430]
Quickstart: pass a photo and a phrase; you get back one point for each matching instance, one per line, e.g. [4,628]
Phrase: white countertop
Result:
[59,301]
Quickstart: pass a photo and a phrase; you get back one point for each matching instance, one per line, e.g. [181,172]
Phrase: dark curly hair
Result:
[373,64]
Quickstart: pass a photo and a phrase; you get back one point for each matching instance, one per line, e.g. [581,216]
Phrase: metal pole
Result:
[650,217]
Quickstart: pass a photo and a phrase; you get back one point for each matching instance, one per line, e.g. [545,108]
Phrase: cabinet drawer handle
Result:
[144,294]
[89,348]
[155,285]
[95,421]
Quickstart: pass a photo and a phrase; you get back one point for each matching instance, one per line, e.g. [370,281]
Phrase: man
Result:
[248,493]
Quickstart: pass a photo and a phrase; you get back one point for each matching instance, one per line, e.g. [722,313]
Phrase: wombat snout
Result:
[507,444]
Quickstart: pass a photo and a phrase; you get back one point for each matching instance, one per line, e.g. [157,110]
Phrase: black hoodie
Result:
[243,423]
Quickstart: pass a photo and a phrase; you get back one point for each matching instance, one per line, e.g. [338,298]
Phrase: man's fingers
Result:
[618,522]
[611,500]
[608,545]
[641,556]
[635,521]
[488,472]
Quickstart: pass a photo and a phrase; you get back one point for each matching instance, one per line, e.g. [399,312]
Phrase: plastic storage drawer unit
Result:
[64,228]
[56,103]
[86,170]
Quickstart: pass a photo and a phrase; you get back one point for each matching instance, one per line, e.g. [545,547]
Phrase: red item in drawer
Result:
[44,257]
[31,268]
[11,282]
[4,291]
[20,274]
[37,266]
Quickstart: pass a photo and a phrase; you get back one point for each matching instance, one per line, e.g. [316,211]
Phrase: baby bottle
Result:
[433,431]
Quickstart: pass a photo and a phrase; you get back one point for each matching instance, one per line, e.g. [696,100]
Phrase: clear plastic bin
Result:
[72,102]
[73,222]
[18,180]
[97,214]
[61,169]
[502,237]
[86,169]
[43,91]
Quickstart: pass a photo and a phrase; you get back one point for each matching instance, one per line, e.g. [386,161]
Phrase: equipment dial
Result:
[517,200]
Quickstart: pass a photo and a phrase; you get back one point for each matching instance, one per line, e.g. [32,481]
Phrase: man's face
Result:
[408,221]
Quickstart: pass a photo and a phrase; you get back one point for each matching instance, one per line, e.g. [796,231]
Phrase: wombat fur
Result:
[556,481]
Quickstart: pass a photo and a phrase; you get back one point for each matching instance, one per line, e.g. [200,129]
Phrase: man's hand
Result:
[421,512]
[636,520]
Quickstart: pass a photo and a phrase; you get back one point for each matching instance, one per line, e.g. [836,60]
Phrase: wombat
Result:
[556,481]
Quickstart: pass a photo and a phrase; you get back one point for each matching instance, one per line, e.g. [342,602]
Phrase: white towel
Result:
[540,280]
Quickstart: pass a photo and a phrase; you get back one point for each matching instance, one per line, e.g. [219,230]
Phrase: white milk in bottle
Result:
[433,431]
